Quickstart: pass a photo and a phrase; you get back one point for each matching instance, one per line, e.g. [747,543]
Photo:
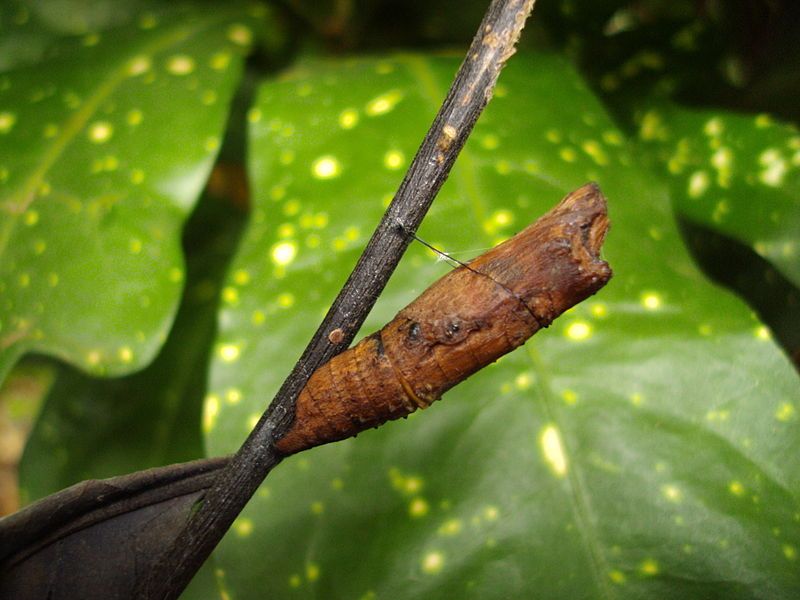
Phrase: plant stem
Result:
[237,482]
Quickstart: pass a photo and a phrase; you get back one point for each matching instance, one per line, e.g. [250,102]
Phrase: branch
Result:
[492,46]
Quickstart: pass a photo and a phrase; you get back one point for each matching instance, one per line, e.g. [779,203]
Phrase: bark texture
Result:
[469,318]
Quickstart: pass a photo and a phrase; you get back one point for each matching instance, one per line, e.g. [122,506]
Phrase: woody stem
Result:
[468,95]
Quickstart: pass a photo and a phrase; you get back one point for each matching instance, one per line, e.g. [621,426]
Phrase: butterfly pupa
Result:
[464,321]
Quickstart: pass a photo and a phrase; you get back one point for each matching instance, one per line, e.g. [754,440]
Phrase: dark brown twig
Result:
[492,46]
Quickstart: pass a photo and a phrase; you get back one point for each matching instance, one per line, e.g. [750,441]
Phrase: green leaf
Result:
[96,428]
[642,447]
[105,148]
[736,174]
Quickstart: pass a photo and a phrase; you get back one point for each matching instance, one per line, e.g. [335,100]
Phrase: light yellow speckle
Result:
[553,450]
[326,167]
[134,117]
[698,184]
[211,144]
[295,581]
[775,167]
[599,309]
[569,396]
[50,130]
[208,97]
[229,352]
[451,527]
[553,136]
[39,246]
[210,412]
[568,154]
[418,507]
[254,115]
[763,121]
[317,508]
[722,159]
[636,399]
[649,567]
[672,492]
[24,280]
[491,513]
[612,137]
[790,552]
[490,141]
[523,381]
[93,358]
[714,127]
[352,233]
[502,218]
[503,167]
[393,160]
[348,118]
[286,300]
[125,354]
[100,132]
[384,103]
[233,395]
[7,121]
[312,571]
[286,157]
[240,34]
[785,412]
[31,217]
[578,330]
[736,488]
[412,485]
[283,253]
[243,526]
[432,562]
[137,176]
[617,576]
[652,127]
[286,230]
[134,245]
[180,64]
[138,65]
[110,163]
[220,61]
[596,152]
[241,277]
[277,192]
[258,317]
[763,333]
[651,301]
[52,279]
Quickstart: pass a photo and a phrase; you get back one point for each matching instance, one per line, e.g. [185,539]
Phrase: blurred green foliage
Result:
[644,446]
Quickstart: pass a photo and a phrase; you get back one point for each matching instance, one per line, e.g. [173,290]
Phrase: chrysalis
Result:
[467,319]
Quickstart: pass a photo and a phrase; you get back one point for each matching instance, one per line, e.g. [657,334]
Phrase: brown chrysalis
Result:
[467,319]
